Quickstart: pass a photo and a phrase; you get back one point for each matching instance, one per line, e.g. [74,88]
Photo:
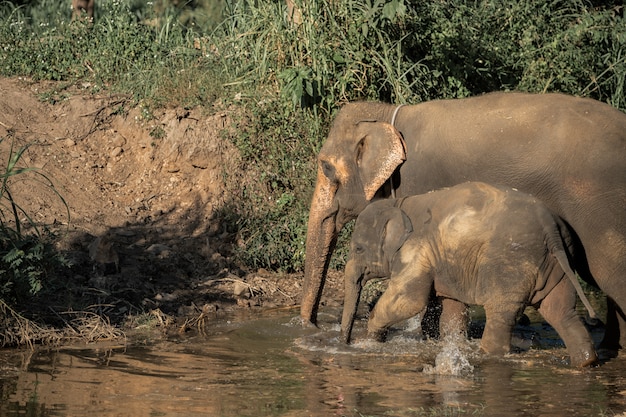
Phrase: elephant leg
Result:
[396,304]
[607,267]
[454,317]
[558,308]
[621,322]
[499,325]
[444,316]
[432,316]
[615,334]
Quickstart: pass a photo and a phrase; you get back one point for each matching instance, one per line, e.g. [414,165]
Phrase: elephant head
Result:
[379,234]
[361,153]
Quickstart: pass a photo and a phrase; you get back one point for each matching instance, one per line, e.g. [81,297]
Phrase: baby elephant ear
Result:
[380,151]
[397,230]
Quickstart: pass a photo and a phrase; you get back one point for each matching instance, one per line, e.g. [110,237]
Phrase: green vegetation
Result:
[25,257]
[287,78]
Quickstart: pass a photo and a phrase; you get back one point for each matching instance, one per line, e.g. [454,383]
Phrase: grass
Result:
[287,79]
[26,251]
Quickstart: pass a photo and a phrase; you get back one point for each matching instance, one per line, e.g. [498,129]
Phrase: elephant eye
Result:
[358,249]
[329,170]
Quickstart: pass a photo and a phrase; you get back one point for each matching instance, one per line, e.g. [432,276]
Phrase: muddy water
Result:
[270,366]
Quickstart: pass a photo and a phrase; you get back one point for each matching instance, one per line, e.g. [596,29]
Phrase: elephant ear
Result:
[397,230]
[380,151]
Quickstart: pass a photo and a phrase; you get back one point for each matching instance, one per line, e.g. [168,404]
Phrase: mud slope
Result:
[141,188]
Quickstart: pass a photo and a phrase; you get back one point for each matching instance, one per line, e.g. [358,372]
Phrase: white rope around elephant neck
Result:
[393,124]
[395,113]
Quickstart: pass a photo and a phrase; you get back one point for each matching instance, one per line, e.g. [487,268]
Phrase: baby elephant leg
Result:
[499,325]
[398,302]
[454,317]
[444,316]
[559,309]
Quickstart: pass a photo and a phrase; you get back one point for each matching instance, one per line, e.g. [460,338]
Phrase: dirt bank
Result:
[143,191]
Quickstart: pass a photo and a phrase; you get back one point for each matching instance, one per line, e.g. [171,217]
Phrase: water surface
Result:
[271,366]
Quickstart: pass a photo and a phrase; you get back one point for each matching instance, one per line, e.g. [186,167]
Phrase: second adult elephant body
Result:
[568,152]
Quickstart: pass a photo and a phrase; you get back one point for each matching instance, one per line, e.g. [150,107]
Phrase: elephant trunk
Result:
[320,243]
[353,284]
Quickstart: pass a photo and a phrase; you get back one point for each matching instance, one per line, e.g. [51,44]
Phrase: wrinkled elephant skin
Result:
[569,152]
[474,243]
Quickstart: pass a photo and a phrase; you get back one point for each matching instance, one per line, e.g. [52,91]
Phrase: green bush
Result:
[128,49]
[341,51]
[409,51]
[271,196]
[25,262]
[396,50]
[25,257]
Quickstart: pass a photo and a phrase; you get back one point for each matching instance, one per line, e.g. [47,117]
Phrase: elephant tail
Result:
[554,228]
[561,256]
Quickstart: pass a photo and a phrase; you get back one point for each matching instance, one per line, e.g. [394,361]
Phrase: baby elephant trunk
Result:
[353,283]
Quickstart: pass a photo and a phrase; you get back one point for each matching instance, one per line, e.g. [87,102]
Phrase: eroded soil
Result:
[144,192]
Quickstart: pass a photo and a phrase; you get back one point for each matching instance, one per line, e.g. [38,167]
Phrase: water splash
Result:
[453,359]
[414,324]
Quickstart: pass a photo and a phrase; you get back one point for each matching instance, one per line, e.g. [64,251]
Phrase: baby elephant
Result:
[474,243]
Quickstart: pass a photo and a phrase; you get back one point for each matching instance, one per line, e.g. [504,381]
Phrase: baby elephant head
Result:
[379,233]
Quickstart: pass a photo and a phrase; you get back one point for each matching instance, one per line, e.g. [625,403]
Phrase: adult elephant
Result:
[569,152]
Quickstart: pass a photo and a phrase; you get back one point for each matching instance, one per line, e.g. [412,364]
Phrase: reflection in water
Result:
[271,366]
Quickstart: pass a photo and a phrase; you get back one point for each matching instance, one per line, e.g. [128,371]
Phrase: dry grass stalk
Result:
[199,321]
[17,330]
[92,327]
